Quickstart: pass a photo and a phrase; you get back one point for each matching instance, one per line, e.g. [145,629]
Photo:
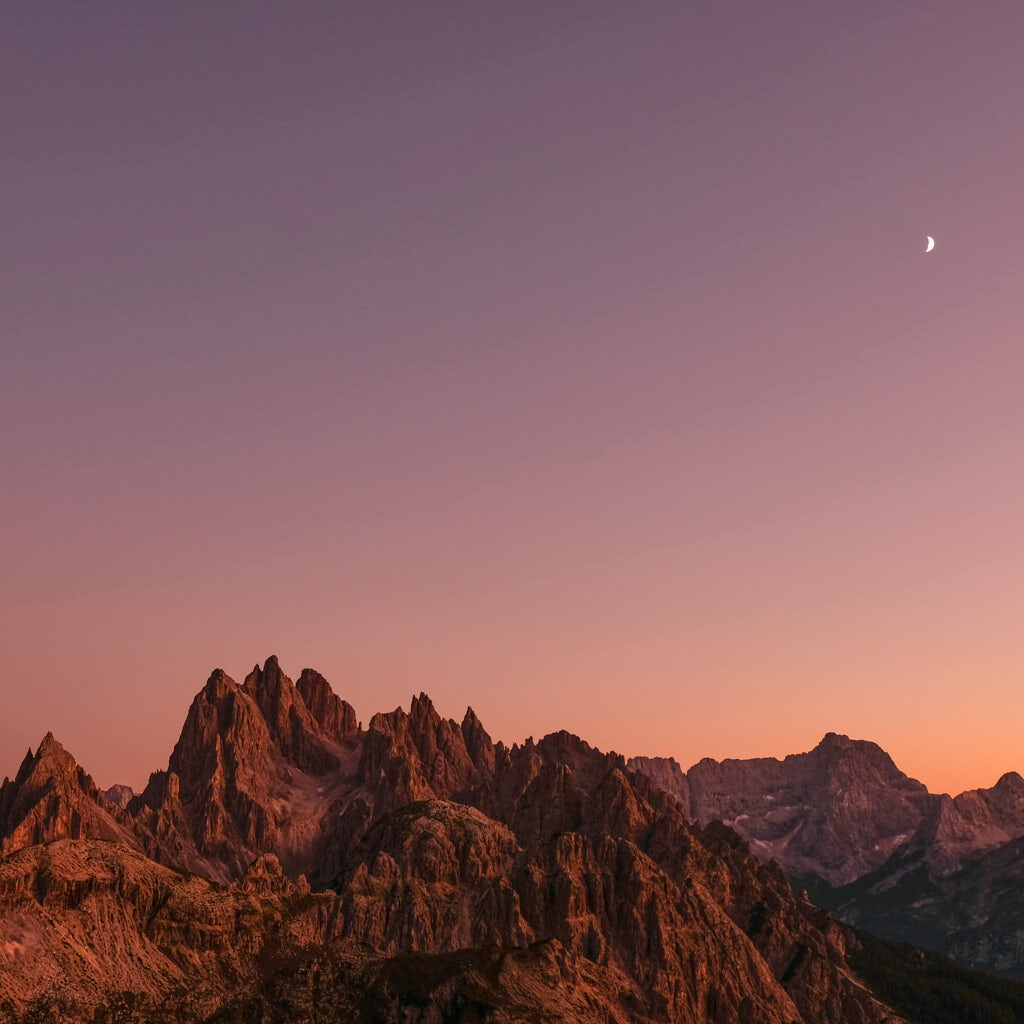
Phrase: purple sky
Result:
[580,362]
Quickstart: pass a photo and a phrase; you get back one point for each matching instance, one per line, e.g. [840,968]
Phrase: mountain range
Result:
[874,846]
[291,865]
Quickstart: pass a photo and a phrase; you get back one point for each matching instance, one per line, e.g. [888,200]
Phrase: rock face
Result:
[334,716]
[667,775]
[544,881]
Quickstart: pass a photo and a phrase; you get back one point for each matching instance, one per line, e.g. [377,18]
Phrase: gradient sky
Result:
[577,361]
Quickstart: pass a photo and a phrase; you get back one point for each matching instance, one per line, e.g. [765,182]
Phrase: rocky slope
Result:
[82,922]
[461,877]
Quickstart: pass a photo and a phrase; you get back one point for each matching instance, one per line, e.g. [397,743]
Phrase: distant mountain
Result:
[837,811]
[456,880]
[874,846]
[120,795]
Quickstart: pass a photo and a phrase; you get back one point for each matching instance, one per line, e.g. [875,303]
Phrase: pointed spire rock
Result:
[336,717]
[478,743]
[217,685]
[422,708]
[293,728]
[49,745]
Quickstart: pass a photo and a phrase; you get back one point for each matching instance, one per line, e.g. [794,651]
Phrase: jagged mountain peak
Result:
[269,677]
[50,745]
[567,748]
[52,755]
[218,684]
[422,710]
[835,746]
[52,797]
[250,772]
[270,687]
[49,760]
[479,744]
[280,703]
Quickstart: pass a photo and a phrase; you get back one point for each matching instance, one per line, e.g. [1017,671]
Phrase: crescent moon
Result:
[930,245]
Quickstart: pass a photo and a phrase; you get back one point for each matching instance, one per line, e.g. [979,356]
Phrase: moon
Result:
[930,245]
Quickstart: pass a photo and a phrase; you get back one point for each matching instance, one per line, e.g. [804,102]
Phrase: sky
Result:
[579,362]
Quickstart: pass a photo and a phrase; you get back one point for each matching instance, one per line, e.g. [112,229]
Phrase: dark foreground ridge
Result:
[926,987]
